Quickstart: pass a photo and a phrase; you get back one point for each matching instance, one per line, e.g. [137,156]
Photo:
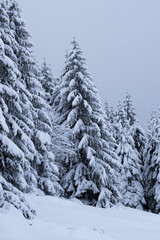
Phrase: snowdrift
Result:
[60,219]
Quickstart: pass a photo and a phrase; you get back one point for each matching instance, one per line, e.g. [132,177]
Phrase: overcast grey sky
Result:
[120,40]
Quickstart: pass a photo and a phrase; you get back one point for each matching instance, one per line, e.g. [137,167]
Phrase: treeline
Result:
[57,138]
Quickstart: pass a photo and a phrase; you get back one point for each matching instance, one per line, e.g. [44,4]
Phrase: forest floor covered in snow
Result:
[60,219]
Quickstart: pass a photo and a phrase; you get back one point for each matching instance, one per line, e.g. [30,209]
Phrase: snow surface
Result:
[60,219]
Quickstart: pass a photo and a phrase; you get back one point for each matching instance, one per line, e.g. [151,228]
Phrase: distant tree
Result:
[107,109]
[129,109]
[152,165]
[47,81]
[139,137]
[92,175]
[109,116]
[137,131]
[131,178]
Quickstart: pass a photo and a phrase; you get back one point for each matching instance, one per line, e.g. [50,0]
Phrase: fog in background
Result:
[120,40]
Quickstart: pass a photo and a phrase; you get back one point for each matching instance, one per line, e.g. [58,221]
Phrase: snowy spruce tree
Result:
[92,174]
[110,117]
[26,149]
[152,164]
[130,110]
[137,131]
[39,122]
[12,160]
[131,178]
[139,137]
[47,81]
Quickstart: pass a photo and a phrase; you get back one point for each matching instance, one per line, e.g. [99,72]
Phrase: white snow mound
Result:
[60,219]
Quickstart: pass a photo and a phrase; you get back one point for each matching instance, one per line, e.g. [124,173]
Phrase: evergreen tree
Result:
[107,110]
[152,165]
[26,149]
[35,109]
[139,138]
[92,175]
[131,179]
[137,131]
[47,81]
[110,117]
[12,159]
[130,110]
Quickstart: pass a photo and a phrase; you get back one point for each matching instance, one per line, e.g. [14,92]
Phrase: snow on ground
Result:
[60,219]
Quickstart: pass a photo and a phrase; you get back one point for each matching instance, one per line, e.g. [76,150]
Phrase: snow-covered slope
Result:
[59,219]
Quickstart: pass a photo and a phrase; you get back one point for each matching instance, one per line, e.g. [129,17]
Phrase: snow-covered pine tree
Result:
[137,131]
[12,159]
[139,137]
[152,164]
[35,108]
[129,109]
[92,175]
[110,117]
[131,178]
[107,110]
[47,81]
[119,116]
[63,147]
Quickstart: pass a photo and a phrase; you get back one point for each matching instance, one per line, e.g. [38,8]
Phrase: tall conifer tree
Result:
[93,174]
[26,149]
[13,163]
[35,108]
